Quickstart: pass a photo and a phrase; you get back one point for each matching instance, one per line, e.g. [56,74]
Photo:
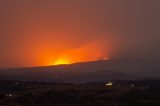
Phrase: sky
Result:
[47,32]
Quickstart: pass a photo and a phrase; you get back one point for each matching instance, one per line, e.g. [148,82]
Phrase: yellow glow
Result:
[89,52]
[109,84]
[61,61]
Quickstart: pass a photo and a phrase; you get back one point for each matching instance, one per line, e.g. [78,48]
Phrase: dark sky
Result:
[36,32]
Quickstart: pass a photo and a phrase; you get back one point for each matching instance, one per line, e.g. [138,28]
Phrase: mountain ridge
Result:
[121,69]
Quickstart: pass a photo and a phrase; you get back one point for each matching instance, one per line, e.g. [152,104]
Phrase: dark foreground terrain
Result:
[121,93]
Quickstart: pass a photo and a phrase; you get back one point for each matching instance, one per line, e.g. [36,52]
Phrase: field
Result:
[121,93]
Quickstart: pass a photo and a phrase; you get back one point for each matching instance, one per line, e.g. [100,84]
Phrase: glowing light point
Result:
[61,61]
[132,85]
[109,84]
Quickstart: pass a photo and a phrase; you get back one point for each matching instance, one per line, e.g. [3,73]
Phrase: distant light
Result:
[17,83]
[132,85]
[9,95]
[109,84]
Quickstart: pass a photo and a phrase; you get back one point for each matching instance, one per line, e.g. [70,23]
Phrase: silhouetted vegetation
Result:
[19,93]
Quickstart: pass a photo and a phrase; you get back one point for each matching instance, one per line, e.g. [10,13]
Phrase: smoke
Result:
[40,32]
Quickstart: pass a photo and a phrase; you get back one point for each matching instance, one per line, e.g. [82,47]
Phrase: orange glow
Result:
[88,52]
[69,53]
[61,61]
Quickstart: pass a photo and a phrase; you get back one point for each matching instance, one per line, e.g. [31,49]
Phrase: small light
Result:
[109,84]
[9,95]
[17,83]
[132,85]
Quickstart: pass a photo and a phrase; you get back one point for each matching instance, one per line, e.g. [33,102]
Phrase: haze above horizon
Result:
[52,32]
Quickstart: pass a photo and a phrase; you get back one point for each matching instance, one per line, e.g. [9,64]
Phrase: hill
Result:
[118,69]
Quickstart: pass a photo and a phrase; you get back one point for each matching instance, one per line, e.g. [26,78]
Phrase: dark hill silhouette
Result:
[118,69]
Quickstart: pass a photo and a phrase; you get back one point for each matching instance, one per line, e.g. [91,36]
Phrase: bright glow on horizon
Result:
[93,51]
[61,61]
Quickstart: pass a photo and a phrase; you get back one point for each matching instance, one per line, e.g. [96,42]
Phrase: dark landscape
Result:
[79,52]
[118,69]
[121,93]
[96,83]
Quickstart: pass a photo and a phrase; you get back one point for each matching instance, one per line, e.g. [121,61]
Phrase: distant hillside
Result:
[120,69]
